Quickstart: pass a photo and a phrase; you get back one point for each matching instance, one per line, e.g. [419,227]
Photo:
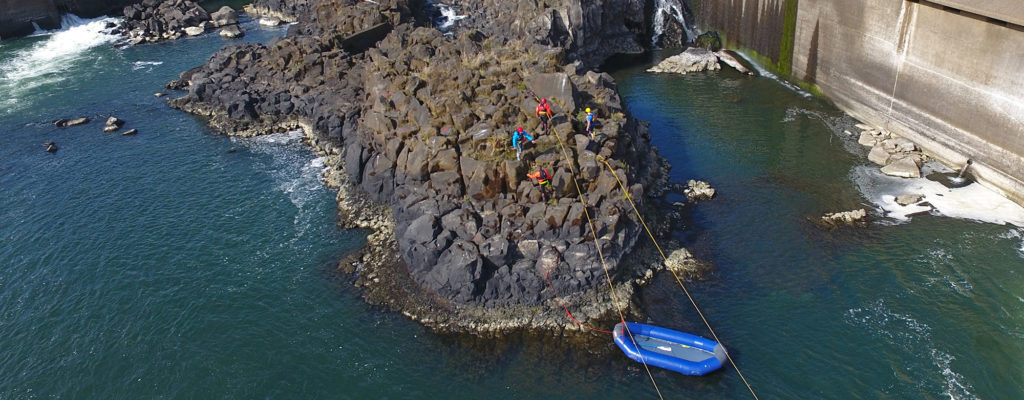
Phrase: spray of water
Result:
[674,9]
[46,62]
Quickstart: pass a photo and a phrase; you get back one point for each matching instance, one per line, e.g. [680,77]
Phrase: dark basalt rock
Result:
[154,20]
[416,130]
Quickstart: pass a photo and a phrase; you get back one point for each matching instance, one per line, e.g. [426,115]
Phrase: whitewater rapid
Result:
[46,62]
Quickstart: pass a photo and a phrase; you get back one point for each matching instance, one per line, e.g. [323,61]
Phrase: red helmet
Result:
[542,101]
[519,129]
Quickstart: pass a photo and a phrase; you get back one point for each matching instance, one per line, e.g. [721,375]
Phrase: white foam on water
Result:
[767,74]
[947,272]
[957,386]
[1015,234]
[674,9]
[145,64]
[913,336]
[47,61]
[448,16]
[974,202]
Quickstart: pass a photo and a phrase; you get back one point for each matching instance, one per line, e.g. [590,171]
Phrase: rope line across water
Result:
[679,281]
[600,254]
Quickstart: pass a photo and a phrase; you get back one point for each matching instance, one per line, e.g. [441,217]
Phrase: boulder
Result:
[224,16]
[854,217]
[698,190]
[731,59]
[51,147]
[130,132]
[66,123]
[879,155]
[908,199]
[231,32]
[270,21]
[867,139]
[114,121]
[194,30]
[694,59]
[902,167]
[557,88]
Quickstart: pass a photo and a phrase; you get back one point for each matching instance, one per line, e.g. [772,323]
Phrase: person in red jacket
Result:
[543,179]
[544,113]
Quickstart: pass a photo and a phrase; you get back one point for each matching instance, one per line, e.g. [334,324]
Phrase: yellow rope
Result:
[679,281]
[600,255]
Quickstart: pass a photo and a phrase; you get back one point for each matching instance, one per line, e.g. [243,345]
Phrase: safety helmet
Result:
[519,129]
[588,109]
[542,101]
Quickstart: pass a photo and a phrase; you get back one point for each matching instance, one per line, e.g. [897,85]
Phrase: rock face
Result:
[416,130]
[694,59]
[153,20]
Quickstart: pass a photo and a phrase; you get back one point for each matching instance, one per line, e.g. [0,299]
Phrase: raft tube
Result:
[672,350]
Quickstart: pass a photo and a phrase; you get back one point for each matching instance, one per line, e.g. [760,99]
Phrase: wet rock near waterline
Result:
[231,32]
[698,190]
[899,156]
[908,199]
[844,218]
[737,62]
[130,132]
[64,123]
[694,59]
[710,41]
[153,20]
[51,147]
[113,124]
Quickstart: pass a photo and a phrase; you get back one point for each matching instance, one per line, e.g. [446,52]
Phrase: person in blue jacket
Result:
[517,139]
[590,122]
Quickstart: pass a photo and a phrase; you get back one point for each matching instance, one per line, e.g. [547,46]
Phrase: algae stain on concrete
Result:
[785,61]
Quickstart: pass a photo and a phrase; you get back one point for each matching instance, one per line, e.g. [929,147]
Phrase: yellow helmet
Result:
[588,109]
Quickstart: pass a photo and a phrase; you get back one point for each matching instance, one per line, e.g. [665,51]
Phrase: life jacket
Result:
[543,109]
[541,176]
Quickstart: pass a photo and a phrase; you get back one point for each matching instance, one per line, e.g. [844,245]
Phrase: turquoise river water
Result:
[182,264]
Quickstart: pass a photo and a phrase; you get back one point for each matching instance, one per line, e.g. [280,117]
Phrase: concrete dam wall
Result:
[943,73]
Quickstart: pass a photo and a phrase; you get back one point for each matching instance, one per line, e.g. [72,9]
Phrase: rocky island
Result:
[416,123]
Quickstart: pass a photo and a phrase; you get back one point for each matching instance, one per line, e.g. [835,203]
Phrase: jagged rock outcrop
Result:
[847,218]
[155,20]
[416,130]
[694,59]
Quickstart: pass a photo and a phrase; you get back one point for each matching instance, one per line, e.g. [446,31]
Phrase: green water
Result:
[182,264]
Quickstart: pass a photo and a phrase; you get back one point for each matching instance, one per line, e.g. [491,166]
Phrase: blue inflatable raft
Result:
[665,348]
